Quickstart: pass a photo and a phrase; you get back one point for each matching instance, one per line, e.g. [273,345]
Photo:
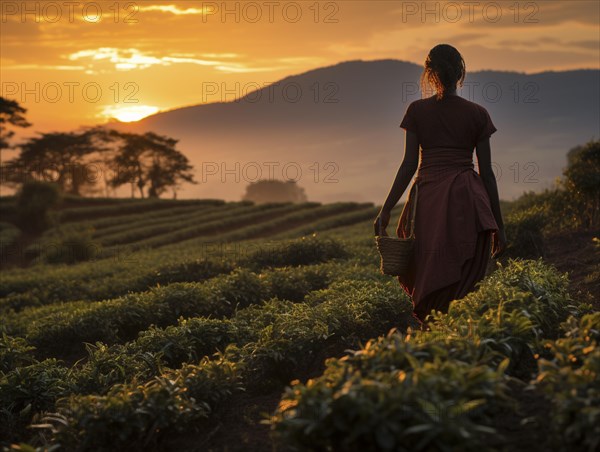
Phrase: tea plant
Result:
[571,379]
[397,395]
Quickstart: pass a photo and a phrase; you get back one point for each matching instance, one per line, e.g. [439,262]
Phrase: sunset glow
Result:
[162,53]
[129,114]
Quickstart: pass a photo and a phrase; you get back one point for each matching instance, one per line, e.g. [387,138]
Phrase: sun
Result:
[128,114]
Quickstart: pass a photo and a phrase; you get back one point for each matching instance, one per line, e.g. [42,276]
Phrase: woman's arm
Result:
[484,161]
[407,169]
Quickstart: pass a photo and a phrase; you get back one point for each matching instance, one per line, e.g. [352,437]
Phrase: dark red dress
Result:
[454,220]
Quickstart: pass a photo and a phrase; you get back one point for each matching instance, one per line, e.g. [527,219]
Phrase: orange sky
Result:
[78,63]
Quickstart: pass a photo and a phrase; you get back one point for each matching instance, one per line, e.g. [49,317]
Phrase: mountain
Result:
[336,129]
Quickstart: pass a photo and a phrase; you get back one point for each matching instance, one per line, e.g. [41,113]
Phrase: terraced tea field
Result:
[204,325]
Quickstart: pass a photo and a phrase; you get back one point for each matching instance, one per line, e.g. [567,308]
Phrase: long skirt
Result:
[453,230]
[472,272]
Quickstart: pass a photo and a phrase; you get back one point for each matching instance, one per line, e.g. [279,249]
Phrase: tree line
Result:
[78,162]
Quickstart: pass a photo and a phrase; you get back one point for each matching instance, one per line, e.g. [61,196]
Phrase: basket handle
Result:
[380,231]
[413,210]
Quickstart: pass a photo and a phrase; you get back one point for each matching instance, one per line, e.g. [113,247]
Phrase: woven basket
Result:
[396,253]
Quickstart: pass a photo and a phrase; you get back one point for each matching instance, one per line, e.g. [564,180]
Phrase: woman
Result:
[458,220]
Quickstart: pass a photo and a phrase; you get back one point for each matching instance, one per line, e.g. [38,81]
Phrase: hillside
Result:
[348,114]
[185,329]
[119,227]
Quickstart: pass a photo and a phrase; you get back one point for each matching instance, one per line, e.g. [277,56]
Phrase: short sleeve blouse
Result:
[453,122]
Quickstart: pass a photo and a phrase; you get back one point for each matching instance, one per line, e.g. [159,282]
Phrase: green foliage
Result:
[366,212]
[174,333]
[8,235]
[303,251]
[273,341]
[161,211]
[70,245]
[188,341]
[524,232]
[107,366]
[273,190]
[286,337]
[14,352]
[124,210]
[134,272]
[531,287]
[216,226]
[188,271]
[511,312]
[202,220]
[583,180]
[570,378]
[288,283]
[11,114]
[29,389]
[574,201]
[397,395]
[435,390]
[302,213]
[34,201]
[122,318]
[137,416]
[149,160]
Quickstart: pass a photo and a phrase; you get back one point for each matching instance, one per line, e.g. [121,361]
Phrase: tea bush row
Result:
[218,226]
[345,219]
[127,207]
[439,389]
[513,310]
[120,319]
[107,223]
[397,394]
[109,279]
[286,337]
[113,225]
[272,228]
[570,378]
[133,234]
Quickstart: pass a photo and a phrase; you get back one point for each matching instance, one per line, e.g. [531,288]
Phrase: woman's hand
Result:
[381,222]
[499,245]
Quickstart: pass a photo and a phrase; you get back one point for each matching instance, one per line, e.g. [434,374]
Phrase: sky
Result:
[75,64]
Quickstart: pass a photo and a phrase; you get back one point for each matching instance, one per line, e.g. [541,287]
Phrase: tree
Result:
[10,113]
[149,160]
[34,201]
[59,157]
[273,190]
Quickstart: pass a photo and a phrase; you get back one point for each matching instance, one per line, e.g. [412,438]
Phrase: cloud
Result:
[42,67]
[216,55]
[132,59]
[240,68]
[174,9]
[594,45]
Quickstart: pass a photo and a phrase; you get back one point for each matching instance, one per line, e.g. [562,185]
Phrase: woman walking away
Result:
[458,222]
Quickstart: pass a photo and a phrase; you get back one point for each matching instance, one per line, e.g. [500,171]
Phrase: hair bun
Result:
[444,69]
